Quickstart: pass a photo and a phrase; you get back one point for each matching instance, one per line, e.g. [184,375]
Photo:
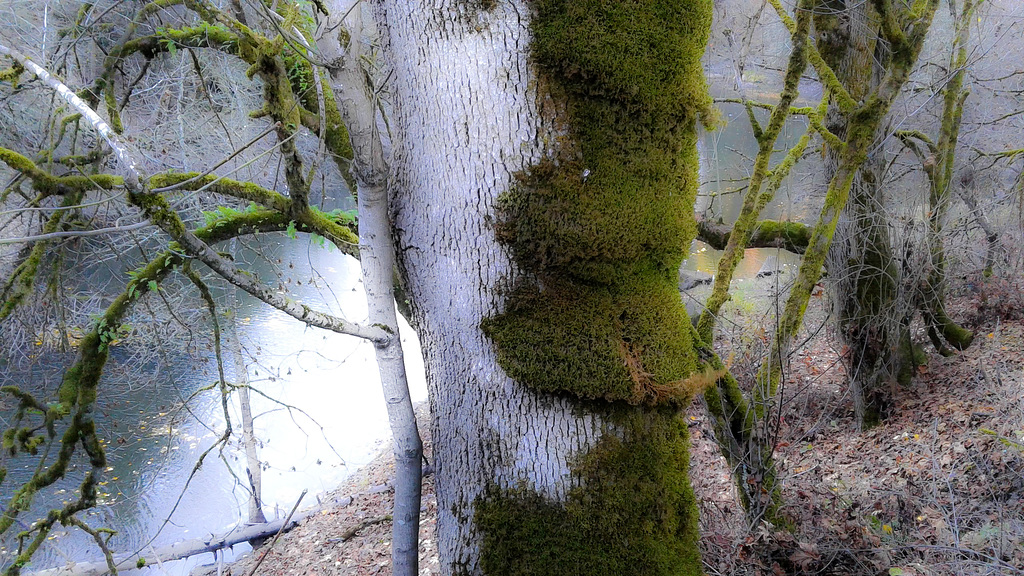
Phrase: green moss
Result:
[605,225]
[643,54]
[624,198]
[11,74]
[624,342]
[24,165]
[793,236]
[600,229]
[634,513]
[112,110]
[226,186]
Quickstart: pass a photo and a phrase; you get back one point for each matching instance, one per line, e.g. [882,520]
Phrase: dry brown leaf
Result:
[805,556]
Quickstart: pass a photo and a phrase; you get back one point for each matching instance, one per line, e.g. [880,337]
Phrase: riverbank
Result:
[935,490]
[354,539]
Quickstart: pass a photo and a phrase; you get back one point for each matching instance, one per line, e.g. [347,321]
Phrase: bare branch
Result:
[132,178]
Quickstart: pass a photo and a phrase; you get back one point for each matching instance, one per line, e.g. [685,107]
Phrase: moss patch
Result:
[628,341]
[644,54]
[604,224]
[600,228]
[636,515]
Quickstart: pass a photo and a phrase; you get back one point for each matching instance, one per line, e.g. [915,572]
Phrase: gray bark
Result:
[254,472]
[465,120]
[356,102]
[869,305]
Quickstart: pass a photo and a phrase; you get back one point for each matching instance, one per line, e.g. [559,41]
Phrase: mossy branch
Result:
[160,213]
[22,280]
[78,391]
[791,236]
[892,25]
[50,185]
[825,73]
[247,191]
[752,200]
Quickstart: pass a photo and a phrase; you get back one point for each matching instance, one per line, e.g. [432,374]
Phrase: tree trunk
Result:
[535,477]
[348,52]
[253,468]
[870,307]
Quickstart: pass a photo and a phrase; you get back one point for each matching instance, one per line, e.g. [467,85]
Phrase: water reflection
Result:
[727,158]
[318,409]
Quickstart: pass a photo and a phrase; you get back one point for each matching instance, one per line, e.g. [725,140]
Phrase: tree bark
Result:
[358,108]
[471,115]
[870,305]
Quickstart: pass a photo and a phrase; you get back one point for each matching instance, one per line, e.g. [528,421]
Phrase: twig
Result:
[348,534]
[278,535]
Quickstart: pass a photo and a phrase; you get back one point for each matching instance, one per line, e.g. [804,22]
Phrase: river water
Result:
[319,411]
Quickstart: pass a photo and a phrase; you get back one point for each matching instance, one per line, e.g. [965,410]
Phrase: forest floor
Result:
[937,489]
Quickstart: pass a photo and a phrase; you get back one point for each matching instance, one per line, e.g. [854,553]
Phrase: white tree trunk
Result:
[449,166]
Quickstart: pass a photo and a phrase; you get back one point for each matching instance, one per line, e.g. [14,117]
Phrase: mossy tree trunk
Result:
[870,306]
[544,179]
[755,199]
[940,196]
[904,28]
[736,425]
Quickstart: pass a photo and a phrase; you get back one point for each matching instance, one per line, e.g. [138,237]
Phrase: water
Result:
[727,158]
[319,412]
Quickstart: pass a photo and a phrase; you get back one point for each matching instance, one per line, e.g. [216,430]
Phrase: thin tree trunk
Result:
[934,304]
[754,199]
[253,469]
[735,424]
[864,122]
[345,53]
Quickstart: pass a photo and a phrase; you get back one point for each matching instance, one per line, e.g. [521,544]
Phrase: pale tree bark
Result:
[470,117]
[253,469]
[345,45]
[461,132]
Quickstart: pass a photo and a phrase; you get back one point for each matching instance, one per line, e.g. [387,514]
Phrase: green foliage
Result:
[342,216]
[300,75]
[223,214]
[632,513]
[171,47]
